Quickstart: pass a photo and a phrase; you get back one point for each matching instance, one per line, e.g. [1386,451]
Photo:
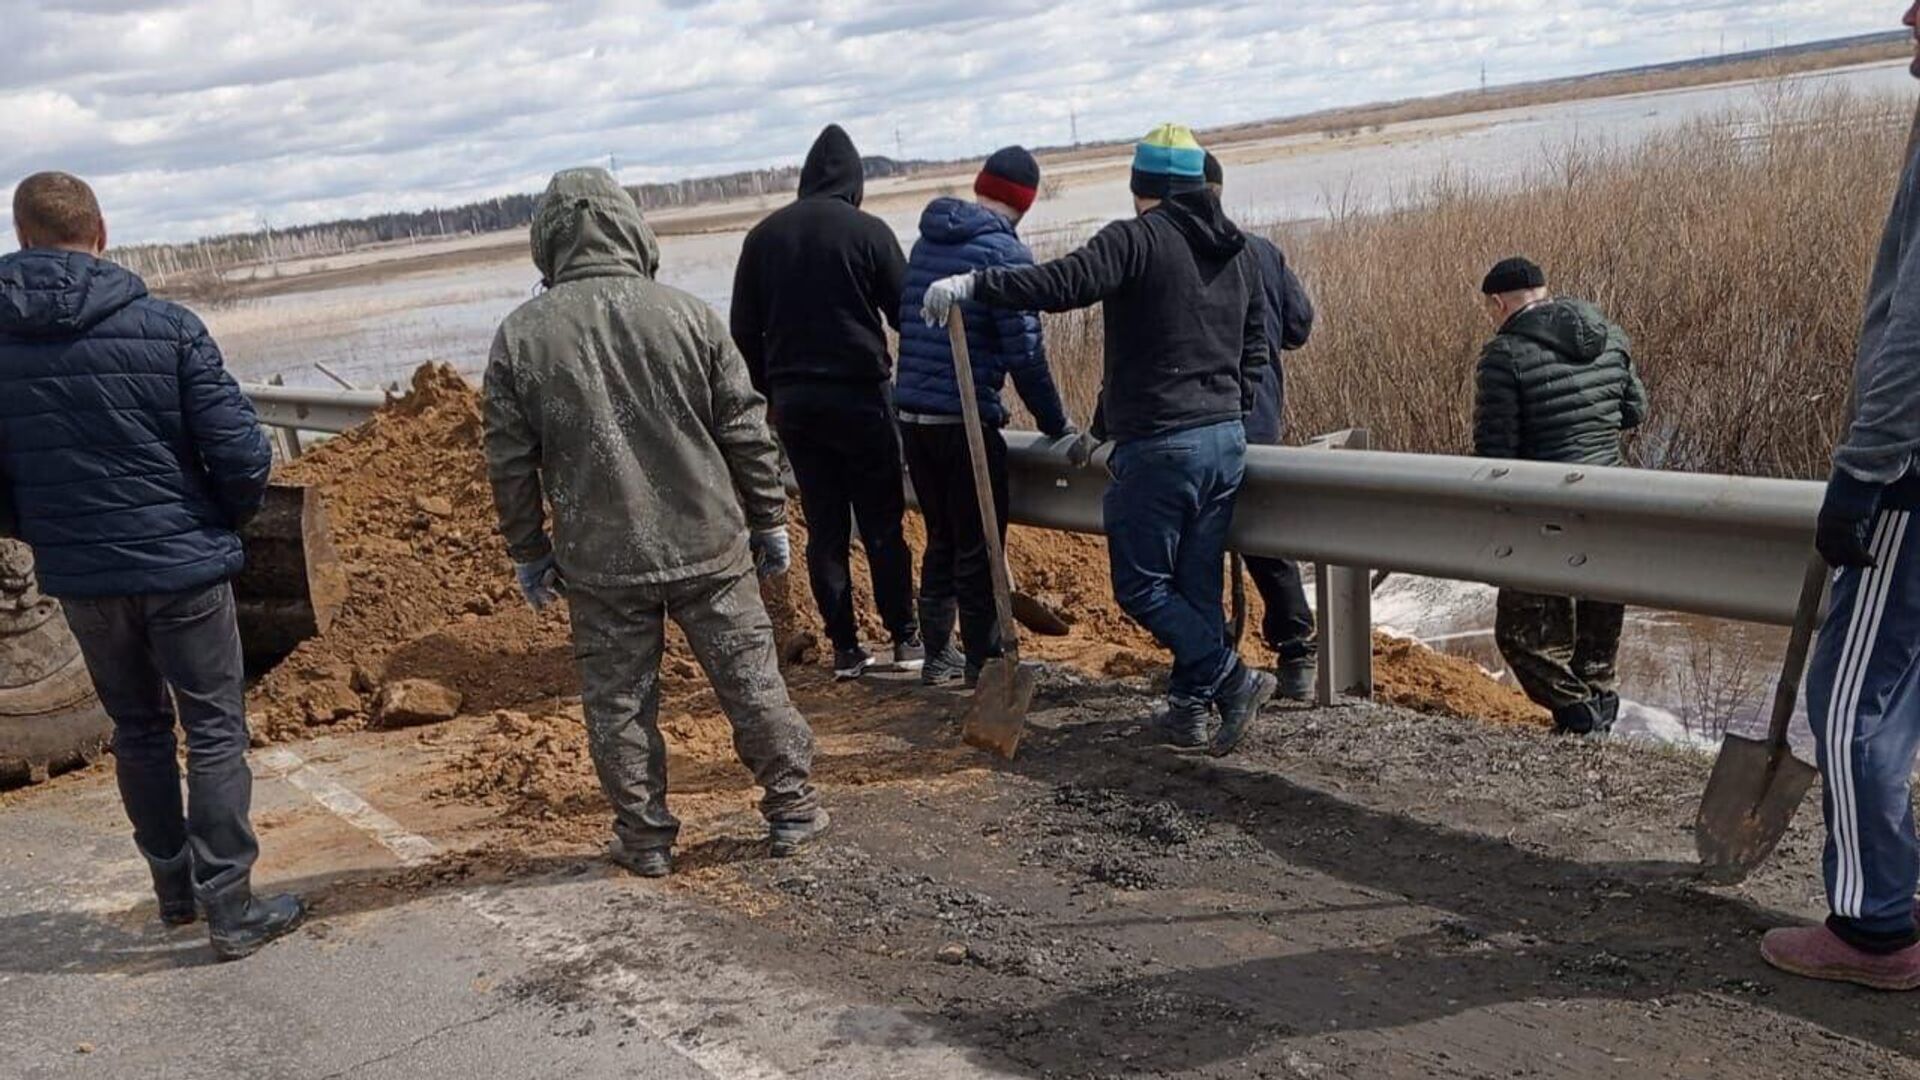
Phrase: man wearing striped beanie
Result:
[1185,331]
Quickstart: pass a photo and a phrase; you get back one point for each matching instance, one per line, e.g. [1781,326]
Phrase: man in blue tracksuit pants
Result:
[1863,685]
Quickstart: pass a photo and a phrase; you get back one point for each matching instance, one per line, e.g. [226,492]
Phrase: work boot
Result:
[651,862]
[173,886]
[1580,719]
[1606,711]
[1184,723]
[943,667]
[1247,691]
[850,663]
[1295,677]
[909,655]
[1815,952]
[786,838]
[240,923]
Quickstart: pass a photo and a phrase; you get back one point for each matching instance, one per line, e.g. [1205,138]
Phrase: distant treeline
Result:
[267,245]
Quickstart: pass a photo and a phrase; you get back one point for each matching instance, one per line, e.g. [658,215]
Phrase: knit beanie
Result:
[1214,173]
[1168,161]
[1513,275]
[1010,176]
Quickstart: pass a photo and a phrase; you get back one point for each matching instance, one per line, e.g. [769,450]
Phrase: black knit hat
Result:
[1213,172]
[1513,275]
[1010,176]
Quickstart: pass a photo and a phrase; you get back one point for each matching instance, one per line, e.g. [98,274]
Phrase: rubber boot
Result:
[173,886]
[1296,678]
[1579,719]
[239,923]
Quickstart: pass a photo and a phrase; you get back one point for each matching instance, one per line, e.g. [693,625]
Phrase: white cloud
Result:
[204,116]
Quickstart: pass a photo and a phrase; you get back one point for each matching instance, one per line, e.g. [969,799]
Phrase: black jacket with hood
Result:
[1557,384]
[1184,318]
[816,278]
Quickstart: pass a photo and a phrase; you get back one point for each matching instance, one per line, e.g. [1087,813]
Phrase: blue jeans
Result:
[1168,512]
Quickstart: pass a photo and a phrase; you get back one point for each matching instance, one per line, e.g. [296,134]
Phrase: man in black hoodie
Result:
[813,283]
[1185,334]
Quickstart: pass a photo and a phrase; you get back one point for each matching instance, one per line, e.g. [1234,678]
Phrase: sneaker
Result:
[1815,952]
[909,655]
[653,862]
[944,667]
[1184,723]
[786,838]
[850,663]
[1251,690]
[1296,678]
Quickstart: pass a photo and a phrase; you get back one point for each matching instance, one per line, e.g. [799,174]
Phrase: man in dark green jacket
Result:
[1556,383]
[624,405]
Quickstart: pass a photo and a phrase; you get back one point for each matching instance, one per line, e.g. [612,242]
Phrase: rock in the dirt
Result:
[408,702]
[330,702]
[952,955]
[436,505]
[365,679]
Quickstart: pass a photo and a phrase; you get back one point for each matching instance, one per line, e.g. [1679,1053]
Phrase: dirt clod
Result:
[410,702]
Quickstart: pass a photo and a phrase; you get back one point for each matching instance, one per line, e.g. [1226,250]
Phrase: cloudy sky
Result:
[215,115]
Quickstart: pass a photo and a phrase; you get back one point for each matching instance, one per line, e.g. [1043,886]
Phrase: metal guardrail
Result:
[1727,546]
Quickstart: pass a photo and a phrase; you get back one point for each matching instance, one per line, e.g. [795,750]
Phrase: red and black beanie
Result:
[1010,176]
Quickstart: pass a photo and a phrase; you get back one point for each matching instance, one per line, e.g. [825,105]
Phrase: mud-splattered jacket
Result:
[624,404]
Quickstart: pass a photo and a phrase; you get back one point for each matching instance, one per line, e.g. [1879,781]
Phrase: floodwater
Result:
[1684,677]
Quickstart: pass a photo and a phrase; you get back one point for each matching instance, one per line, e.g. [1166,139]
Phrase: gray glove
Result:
[540,581]
[942,295]
[772,552]
[1081,450]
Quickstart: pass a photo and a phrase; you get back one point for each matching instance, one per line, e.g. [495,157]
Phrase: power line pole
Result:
[1073,119]
[1483,76]
[613,165]
[899,145]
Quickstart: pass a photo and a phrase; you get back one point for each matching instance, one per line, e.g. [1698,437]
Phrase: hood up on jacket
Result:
[1573,328]
[47,293]
[1198,215]
[948,220]
[833,169]
[588,226]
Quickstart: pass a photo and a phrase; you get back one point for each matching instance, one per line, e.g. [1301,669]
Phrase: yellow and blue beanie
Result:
[1167,162]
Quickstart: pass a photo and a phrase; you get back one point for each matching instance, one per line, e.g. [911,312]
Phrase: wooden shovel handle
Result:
[983,485]
[1813,590]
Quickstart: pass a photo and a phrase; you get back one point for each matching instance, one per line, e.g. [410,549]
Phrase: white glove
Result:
[772,552]
[942,295]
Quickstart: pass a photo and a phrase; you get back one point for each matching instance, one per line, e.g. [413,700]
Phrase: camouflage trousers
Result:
[619,636]
[1561,650]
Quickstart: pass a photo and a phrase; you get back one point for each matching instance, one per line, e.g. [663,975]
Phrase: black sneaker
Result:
[654,862]
[909,655]
[786,838]
[1184,723]
[944,667]
[1250,689]
[851,663]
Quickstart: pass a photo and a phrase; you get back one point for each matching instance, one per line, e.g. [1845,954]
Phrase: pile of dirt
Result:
[431,590]
[1413,676]
[536,766]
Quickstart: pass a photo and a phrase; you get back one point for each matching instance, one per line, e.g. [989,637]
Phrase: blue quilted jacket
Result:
[128,455]
[956,237]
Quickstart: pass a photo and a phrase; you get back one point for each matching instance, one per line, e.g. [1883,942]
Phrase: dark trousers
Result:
[618,638]
[137,648]
[845,452]
[955,572]
[1561,650]
[1287,626]
[1167,513]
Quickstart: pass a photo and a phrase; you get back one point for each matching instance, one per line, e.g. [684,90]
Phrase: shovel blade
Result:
[1755,790]
[997,716]
[1039,616]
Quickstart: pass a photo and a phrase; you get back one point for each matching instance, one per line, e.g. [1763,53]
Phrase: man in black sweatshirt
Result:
[813,283]
[1185,333]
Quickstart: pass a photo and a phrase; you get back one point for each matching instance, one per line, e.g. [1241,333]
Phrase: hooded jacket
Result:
[127,453]
[622,403]
[1557,384]
[1289,324]
[818,279]
[1182,310]
[957,236]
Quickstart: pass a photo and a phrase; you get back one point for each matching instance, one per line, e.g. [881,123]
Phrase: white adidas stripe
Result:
[1843,709]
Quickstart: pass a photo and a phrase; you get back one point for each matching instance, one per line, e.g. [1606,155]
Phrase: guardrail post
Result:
[285,440]
[1343,610]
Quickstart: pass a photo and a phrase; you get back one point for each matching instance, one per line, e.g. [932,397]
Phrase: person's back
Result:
[129,459]
[622,403]
[1557,383]
[618,381]
[818,280]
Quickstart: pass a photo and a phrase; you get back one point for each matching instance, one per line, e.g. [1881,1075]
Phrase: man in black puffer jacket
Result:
[130,459]
[1556,383]
[816,284]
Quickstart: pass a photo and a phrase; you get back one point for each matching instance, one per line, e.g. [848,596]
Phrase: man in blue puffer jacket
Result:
[957,237]
[130,459]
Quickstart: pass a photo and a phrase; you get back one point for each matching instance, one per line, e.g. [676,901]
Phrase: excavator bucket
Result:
[294,582]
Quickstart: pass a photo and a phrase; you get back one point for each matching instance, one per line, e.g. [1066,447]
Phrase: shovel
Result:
[997,716]
[1757,784]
